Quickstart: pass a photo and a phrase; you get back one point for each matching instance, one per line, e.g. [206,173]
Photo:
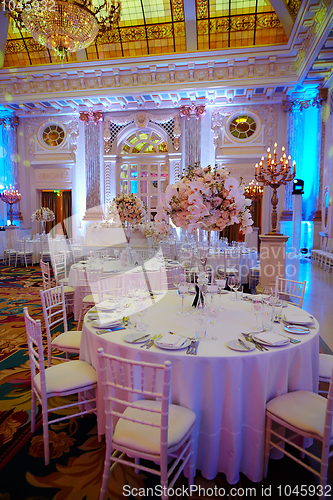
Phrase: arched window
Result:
[144,142]
[143,167]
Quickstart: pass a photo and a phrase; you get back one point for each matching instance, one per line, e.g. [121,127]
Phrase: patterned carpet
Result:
[75,470]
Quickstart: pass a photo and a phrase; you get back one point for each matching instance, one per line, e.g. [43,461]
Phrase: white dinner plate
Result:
[235,345]
[222,292]
[296,319]
[299,330]
[133,338]
[171,347]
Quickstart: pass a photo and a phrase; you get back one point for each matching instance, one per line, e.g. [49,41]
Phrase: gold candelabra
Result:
[254,192]
[275,174]
[12,196]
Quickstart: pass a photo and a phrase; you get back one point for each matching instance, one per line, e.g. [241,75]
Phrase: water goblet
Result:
[257,309]
[267,317]
[212,291]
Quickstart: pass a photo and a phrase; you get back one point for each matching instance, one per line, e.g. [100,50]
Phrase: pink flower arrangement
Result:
[205,198]
[126,208]
[43,214]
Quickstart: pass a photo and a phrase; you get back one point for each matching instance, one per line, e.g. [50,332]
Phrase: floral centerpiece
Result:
[43,215]
[155,231]
[205,198]
[126,210]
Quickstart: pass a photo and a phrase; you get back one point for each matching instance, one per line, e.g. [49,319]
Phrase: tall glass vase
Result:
[127,255]
[203,243]
[43,227]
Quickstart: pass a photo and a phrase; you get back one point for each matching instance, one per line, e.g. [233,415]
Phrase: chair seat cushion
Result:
[302,409]
[64,341]
[146,439]
[325,366]
[64,281]
[67,376]
[92,298]
[69,289]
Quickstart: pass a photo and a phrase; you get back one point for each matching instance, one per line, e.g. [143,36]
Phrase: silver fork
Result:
[196,347]
[190,347]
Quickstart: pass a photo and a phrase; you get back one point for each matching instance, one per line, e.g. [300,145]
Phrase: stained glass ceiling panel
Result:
[158,27]
[223,24]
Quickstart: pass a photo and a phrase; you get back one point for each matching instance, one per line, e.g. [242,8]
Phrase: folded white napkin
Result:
[106,304]
[269,338]
[298,319]
[170,339]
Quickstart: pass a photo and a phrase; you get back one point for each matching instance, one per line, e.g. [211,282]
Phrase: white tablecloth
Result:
[154,275]
[227,390]
[112,237]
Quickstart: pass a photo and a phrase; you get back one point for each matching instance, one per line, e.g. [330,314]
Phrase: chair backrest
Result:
[231,262]
[59,263]
[290,288]
[125,381]
[54,312]
[19,246]
[46,275]
[35,348]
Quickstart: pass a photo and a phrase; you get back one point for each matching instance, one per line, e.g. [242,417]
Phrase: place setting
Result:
[299,324]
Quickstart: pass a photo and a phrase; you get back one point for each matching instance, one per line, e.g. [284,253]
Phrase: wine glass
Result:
[221,286]
[233,283]
[183,290]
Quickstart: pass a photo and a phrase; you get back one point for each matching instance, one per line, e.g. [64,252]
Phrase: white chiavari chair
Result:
[54,312]
[290,290]
[88,288]
[149,428]
[301,414]
[22,254]
[75,377]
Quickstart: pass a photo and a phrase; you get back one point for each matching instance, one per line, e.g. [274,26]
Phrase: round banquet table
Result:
[227,389]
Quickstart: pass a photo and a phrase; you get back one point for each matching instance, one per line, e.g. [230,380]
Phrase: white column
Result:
[174,167]
[93,172]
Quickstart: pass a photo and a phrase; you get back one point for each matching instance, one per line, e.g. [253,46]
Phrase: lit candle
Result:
[289,158]
[256,170]
[294,163]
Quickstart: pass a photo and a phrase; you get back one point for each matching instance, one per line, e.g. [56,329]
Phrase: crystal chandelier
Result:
[64,26]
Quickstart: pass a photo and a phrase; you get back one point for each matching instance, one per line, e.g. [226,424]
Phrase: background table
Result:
[227,390]
[154,276]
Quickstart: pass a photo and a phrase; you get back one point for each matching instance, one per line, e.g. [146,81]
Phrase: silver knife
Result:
[141,338]
[243,344]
